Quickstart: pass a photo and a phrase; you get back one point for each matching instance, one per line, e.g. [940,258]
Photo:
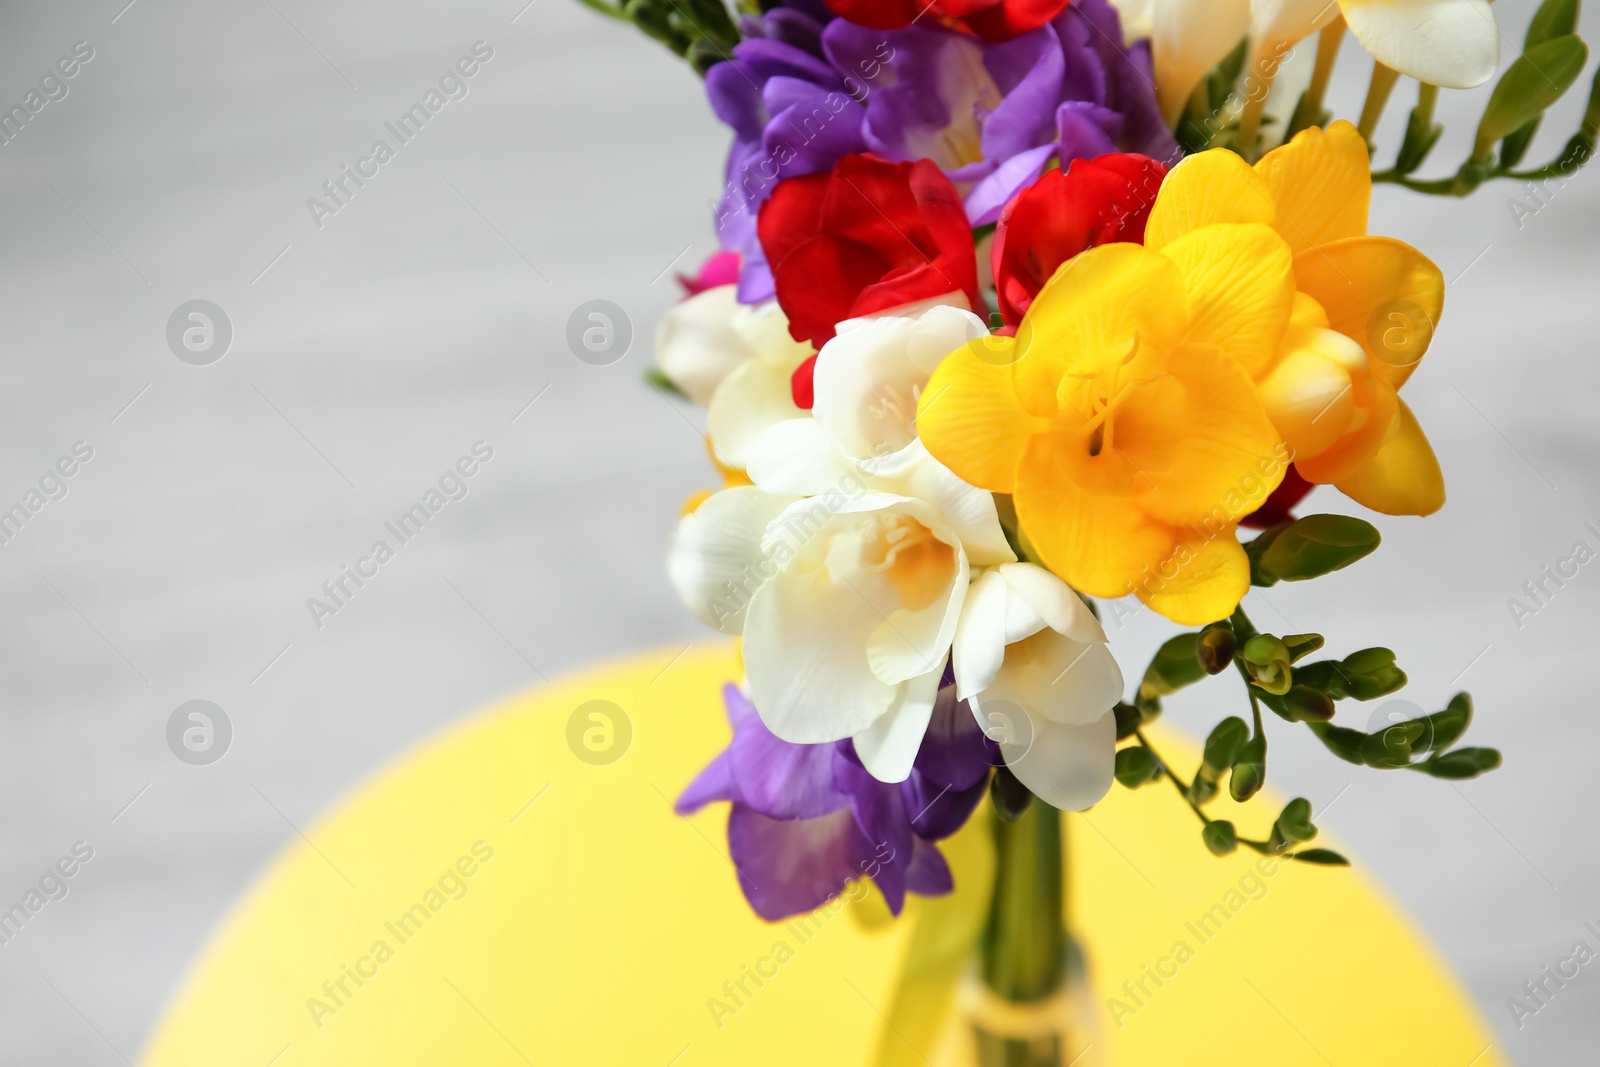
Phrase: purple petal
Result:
[1087,130]
[1024,119]
[783,780]
[789,866]
[955,752]
[990,196]
[929,874]
[710,785]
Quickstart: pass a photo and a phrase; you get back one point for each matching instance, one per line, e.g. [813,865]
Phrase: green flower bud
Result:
[1219,837]
[1371,673]
[1215,649]
[1534,81]
[1266,658]
[1462,763]
[1129,719]
[1137,766]
[1249,770]
[1226,739]
[1316,545]
[1305,704]
[1294,824]
[1325,857]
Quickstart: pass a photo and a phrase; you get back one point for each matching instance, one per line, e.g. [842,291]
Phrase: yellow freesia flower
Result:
[1155,394]
[1329,362]
[1130,442]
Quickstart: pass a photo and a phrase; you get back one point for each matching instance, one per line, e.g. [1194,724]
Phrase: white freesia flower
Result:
[1187,39]
[1453,43]
[847,602]
[1032,662]
[735,360]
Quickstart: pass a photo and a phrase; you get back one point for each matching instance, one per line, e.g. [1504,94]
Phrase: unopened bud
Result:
[1216,648]
[1266,658]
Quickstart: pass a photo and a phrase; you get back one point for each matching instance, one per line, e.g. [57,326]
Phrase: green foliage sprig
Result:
[1278,677]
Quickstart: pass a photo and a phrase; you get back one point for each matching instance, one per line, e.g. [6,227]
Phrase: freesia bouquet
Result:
[1026,307]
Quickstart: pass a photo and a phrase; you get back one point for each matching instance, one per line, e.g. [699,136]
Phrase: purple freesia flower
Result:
[807,819]
[803,90]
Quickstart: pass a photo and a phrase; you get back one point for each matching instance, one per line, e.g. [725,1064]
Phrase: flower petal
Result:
[795,458]
[1056,678]
[980,641]
[1380,292]
[1098,544]
[1207,188]
[697,345]
[1310,394]
[889,746]
[1189,39]
[1240,281]
[755,396]
[1453,43]
[970,418]
[1068,767]
[719,542]
[1203,581]
[1321,183]
[1403,477]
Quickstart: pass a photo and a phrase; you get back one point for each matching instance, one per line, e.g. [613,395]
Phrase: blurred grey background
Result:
[372,351]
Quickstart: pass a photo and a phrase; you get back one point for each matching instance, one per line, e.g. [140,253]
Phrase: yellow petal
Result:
[1453,43]
[1208,187]
[970,418]
[1202,581]
[1321,184]
[1241,287]
[1310,395]
[1307,312]
[1201,440]
[1090,312]
[1099,545]
[1380,292]
[1403,478]
[1377,408]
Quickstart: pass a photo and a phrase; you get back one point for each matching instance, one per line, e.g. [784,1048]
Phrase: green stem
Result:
[1327,52]
[1024,951]
[1383,80]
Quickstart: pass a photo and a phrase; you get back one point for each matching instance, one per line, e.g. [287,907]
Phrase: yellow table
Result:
[493,899]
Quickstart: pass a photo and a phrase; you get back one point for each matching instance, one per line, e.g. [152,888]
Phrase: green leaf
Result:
[1295,821]
[1318,545]
[1226,739]
[655,376]
[1137,766]
[1174,666]
[1220,837]
[1325,857]
[1555,18]
[1462,763]
[1534,81]
[1254,549]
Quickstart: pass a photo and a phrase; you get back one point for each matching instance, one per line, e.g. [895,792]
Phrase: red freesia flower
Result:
[1093,202]
[867,237]
[993,20]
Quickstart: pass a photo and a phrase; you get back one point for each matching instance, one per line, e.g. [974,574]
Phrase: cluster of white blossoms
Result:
[858,569]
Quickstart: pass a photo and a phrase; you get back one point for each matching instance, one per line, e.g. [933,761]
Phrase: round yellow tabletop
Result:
[494,899]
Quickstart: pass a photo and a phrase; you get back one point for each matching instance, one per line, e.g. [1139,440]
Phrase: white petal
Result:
[869,377]
[765,329]
[1054,602]
[1189,37]
[805,654]
[1058,678]
[753,398]
[793,457]
[1453,43]
[719,542]
[969,510]
[889,746]
[980,641]
[1068,767]
[1290,20]
[697,345]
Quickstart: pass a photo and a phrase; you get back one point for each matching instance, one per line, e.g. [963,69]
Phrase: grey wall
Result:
[427,313]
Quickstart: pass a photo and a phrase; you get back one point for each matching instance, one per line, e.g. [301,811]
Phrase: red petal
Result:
[801,385]
[1276,508]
